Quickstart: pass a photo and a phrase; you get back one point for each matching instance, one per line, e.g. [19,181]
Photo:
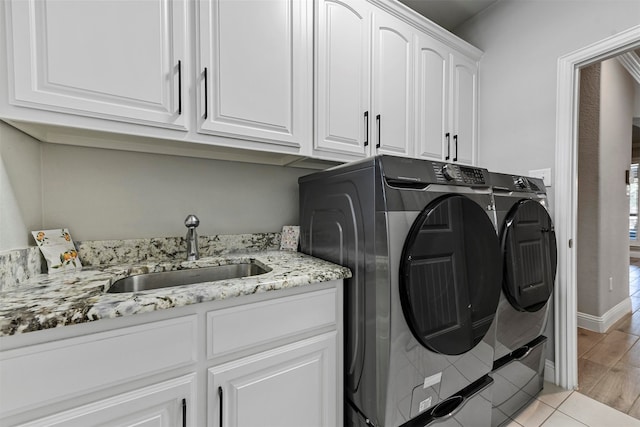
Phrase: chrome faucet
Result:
[192,222]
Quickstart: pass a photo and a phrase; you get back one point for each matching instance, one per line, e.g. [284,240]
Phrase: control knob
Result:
[448,173]
[522,182]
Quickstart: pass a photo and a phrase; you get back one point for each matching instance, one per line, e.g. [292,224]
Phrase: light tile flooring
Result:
[608,375]
[557,407]
[609,363]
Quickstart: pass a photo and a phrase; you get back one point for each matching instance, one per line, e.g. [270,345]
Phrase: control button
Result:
[448,173]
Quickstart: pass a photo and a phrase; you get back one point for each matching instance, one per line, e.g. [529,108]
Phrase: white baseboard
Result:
[549,371]
[603,323]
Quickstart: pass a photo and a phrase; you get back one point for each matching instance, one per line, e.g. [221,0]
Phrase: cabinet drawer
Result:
[238,328]
[47,373]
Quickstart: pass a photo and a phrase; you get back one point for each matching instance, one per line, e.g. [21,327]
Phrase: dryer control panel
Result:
[418,173]
[450,173]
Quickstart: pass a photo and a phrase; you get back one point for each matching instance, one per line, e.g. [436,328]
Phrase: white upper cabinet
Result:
[390,84]
[255,69]
[464,109]
[343,77]
[432,99]
[446,103]
[273,81]
[393,94]
[117,60]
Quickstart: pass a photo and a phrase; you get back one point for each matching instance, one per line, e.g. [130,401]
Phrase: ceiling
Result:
[448,13]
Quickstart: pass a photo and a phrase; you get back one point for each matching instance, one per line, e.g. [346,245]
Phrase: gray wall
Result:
[20,187]
[605,124]
[522,41]
[616,122]
[588,196]
[109,194]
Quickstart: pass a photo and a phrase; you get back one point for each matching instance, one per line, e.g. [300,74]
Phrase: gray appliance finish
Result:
[529,257]
[419,237]
[528,246]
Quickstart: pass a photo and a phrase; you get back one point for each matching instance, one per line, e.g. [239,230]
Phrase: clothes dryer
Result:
[420,239]
[529,253]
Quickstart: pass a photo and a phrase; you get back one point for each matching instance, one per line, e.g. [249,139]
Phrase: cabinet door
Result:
[465,90]
[167,404]
[432,99]
[342,77]
[392,85]
[119,60]
[290,386]
[259,66]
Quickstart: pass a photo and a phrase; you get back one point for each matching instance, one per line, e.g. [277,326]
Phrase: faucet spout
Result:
[191,223]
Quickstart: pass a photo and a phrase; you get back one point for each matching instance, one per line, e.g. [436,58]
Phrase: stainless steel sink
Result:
[143,282]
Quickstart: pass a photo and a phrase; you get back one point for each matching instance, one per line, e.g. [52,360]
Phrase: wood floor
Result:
[609,363]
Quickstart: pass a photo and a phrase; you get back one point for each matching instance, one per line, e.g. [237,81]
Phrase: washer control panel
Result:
[418,173]
[466,175]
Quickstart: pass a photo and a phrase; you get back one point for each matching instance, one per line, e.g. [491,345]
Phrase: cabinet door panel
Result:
[393,86]
[259,61]
[464,109]
[114,60]
[80,365]
[432,98]
[342,85]
[159,405]
[290,386]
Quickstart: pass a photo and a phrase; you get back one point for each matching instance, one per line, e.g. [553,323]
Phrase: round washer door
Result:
[530,256]
[450,275]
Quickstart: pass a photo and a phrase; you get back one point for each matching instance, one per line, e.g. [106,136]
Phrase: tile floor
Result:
[609,363]
[608,375]
[557,407]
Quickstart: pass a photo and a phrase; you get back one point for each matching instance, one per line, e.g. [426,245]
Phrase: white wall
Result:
[109,194]
[522,41]
[20,187]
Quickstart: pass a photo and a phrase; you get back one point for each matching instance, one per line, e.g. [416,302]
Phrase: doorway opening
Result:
[566,196]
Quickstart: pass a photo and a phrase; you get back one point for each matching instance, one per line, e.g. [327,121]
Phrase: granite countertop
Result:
[50,301]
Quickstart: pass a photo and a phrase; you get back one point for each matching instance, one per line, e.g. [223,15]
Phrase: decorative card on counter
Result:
[290,237]
[58,249]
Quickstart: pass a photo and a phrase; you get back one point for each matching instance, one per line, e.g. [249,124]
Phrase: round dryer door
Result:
[450,275]
[530,256]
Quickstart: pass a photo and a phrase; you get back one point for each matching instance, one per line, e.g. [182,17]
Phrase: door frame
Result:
[566,195]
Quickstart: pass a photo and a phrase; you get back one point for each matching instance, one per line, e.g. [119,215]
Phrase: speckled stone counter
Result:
[50,301]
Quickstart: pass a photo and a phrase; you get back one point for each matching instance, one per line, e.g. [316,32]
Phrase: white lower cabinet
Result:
[166,404]
[277,361]
[289,386]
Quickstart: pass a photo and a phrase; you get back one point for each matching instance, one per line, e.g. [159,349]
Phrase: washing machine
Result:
[420,239]
[529,252]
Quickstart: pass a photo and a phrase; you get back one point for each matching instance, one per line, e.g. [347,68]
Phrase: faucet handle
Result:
[192,221]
